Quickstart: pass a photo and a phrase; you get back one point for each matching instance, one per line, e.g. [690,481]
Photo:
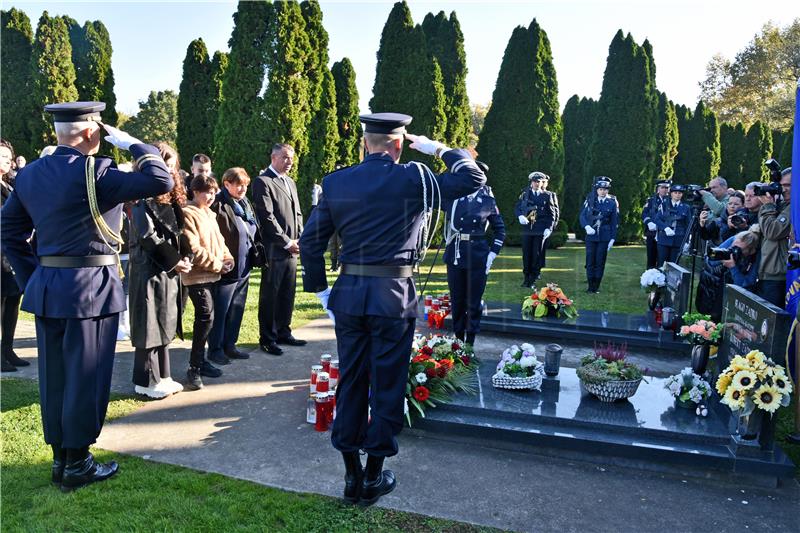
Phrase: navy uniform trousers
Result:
[652,251]
[596,253]
[466,290]
[668,253]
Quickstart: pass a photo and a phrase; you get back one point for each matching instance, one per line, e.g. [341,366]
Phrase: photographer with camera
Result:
[716,196]
[672,220]
[775,221]
[734,220]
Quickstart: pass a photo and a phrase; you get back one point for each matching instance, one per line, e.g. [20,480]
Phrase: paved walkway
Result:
[250,424]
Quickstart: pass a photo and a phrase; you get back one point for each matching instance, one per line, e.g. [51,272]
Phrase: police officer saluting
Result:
[599,217]
[672,219]
[378,209]
[72,201]
[537,214]
[468,255]
[651,207]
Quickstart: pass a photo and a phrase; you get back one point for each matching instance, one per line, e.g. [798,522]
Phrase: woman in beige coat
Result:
[211,259]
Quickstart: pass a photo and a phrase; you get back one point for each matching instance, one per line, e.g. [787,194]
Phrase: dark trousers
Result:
[596,253]
[667,253]
[373,371]
[466,290]
[229,303]
[76,359]
[531,251]
[150,365]
[333,246]
[543,256]
[9,313]
[202,297]
[276,299]
[773,291]
[652,252]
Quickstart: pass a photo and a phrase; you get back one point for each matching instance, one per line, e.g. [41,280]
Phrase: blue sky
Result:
[150,38]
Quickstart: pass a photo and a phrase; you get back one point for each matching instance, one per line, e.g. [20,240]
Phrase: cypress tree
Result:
[239,136]
[344,77]
[624,139]
[578,121]
[445,42]
[196,101]
[666,138]
[698,148]
[681,170]
[732,147]
[16,46]
[53,78]
[784,152]
[758,149]
[219,64]
[157,119]
[522,131]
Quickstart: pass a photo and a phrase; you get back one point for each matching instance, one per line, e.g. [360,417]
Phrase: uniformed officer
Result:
[377,208]
[672,219]
[543,184]
[537,214]
[469,257]
[72,201]
[651,207]
[599,217]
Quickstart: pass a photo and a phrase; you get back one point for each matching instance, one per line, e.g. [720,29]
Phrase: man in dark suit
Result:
[280,222]
[73,201]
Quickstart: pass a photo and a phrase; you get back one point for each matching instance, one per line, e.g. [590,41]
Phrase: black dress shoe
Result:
[14,359]
[377,481]
[354,475]
[291,341]
[219,358]
[235,353]
[272,348]
[82,470]
[525,283]
[59,462]
[193,379]
[5,366]
[209,370]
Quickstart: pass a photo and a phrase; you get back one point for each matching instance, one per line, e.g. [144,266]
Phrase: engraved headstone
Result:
[676,291]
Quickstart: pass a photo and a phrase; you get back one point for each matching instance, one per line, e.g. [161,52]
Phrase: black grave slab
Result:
[678,287]
[648,430]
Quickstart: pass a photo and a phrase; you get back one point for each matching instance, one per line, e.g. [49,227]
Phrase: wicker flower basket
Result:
[611,391]
[533,382]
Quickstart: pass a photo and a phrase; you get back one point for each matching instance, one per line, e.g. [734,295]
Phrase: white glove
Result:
[119,138]
[652,226]
[425,145]
[589,230]
[489,261]
[522,220]
[610,244]
[547,233]
[323,299]
[669,232]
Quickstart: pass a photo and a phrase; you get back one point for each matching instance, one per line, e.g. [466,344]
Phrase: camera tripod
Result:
[691,241]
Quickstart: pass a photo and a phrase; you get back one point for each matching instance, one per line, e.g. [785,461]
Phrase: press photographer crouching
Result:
[735,261]
[734,220]
[774,218]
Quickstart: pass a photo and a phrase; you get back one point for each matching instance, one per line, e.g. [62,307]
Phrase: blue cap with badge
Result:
[386,123]
[76,111]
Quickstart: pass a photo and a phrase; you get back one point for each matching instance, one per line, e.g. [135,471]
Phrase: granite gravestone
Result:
[676,291]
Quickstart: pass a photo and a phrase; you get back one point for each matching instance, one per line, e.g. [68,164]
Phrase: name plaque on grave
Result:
[676,293]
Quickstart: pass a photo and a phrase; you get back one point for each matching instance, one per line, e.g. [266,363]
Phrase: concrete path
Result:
[250,424]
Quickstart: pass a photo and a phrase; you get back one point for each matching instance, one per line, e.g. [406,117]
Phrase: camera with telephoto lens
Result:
[794,259]
[691,193]
[774,185]
[774,169]
[721,254]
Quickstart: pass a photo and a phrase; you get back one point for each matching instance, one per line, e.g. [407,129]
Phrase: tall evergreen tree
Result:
[698,148]
[445,42]
[578,120]
[666,138]
[16,45]
[522,131]
[157,119]
[219,64]
[196,102]
[344,77]
[682,173]
[759,149]
[239,137]
[732,147]
[53,77]
[624,139]
[784,151]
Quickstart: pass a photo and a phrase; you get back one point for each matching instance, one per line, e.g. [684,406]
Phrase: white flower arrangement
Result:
[421,378]
[518,368]
[652,279]
[688,386]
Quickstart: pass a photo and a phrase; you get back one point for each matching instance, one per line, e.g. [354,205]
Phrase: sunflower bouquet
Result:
[699,329]
[439,367]
[754,381]
[550,299]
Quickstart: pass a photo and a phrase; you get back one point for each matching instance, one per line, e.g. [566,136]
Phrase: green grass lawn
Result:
[148,496]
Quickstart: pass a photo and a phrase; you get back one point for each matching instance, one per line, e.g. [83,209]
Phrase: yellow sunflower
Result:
[767,398]
[734,398]
[722,383]
[781,383]
[738,363]
[744,380]
[755,355]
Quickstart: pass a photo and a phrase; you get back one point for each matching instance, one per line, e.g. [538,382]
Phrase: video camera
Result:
[774,185]
[721,254]
[691,194]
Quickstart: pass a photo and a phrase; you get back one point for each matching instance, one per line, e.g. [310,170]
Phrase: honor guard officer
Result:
[672,219]
[468,255]
[543,184]
[73,201]
[651,207]
[378,207]
[599,217]
[536,213]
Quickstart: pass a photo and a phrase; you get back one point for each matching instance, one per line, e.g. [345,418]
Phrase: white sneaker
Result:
[154,392]
[171,385]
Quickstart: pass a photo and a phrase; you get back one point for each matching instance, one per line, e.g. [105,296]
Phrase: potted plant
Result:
[703,333]
[519,369]
[653,282]
[688,388]
[607,375]
[550,300]
[751,386]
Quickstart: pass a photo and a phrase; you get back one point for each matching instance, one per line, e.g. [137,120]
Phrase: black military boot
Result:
[526,282]
[377,481]
[59,462]
[5,366]
[597,285]
[10,356]
[82,469]
[354,475]
[590,285]
[470,339]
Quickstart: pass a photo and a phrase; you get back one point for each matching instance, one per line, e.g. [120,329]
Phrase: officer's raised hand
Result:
[425,145]
[119,138]
[589,230]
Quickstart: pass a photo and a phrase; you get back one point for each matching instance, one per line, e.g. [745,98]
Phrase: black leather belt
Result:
[379,271]
[66,261]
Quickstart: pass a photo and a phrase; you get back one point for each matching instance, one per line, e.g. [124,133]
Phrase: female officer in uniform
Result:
[672,219]
[599,217]
[469,257]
